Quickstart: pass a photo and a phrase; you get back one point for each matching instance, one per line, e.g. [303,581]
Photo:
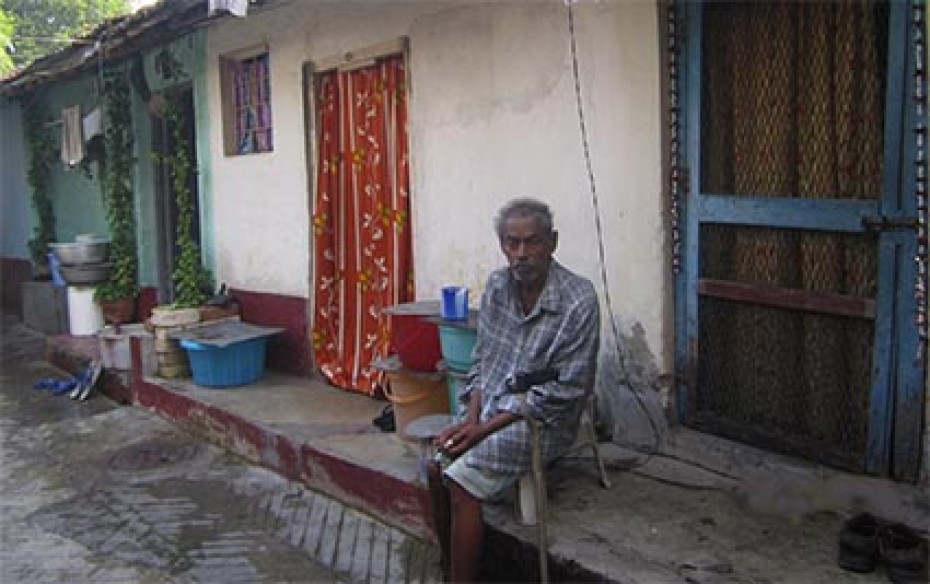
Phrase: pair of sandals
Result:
[865,541]
[385,421]
[79,387]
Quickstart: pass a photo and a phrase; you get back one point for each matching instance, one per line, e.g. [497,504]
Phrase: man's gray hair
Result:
[525,207]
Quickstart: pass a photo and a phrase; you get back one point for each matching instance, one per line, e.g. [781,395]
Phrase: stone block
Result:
[45,307]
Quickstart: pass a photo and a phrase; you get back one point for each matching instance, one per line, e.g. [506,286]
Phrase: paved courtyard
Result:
[94,492]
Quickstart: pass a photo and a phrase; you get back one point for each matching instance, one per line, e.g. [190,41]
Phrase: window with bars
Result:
[246,90]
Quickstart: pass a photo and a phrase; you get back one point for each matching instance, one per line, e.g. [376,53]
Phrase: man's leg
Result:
[439,501]
[467,534]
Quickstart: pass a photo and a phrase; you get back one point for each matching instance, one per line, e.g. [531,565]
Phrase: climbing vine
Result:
[116,170]
[41,157]
[191,279]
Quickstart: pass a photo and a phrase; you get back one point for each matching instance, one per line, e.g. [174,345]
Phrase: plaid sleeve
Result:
[575,357]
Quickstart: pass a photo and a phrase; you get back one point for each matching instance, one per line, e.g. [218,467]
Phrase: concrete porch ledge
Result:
[344,459]
[689,514]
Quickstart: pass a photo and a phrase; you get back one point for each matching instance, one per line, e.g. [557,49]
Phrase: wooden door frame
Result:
[165,209]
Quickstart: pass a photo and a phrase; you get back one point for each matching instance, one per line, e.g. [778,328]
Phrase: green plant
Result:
[192,282]
[116,170]
[41,158]
[191,279]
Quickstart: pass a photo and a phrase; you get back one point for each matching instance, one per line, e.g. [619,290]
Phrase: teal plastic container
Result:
[457,344]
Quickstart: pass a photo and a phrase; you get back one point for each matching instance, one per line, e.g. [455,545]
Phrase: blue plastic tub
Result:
[235,364]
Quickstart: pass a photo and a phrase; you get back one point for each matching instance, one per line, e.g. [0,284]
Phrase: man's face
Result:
[528,249]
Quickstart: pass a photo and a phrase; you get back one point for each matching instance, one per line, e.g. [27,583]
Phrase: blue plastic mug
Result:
[454,303]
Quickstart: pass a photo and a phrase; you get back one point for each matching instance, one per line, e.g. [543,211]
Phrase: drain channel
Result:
[153,453]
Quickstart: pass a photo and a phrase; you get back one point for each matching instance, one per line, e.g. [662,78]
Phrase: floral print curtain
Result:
[361,231]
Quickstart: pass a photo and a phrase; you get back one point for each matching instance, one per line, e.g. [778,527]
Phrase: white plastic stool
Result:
[532,486]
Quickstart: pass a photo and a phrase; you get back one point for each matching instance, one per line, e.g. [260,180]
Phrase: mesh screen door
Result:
[788,116]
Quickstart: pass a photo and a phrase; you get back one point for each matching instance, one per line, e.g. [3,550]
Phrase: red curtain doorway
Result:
[361,218]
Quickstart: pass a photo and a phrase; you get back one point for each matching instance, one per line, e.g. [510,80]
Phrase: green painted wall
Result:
[189,52]
[205,177]
[77,198]
[16,212]
[146,234]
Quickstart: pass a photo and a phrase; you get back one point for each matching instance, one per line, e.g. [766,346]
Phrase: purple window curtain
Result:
[253,105]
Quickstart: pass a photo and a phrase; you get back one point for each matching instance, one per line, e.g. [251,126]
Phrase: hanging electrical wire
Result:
[654,451]
[599,231]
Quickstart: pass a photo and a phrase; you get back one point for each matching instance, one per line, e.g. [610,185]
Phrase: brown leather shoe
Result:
[859,543]
[904,554]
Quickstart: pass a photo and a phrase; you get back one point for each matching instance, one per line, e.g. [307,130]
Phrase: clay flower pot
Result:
[118,311]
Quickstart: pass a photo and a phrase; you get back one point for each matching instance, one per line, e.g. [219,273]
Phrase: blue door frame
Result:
[897,392]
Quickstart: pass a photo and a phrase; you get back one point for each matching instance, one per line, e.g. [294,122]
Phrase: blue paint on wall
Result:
[15,196]
[76,197]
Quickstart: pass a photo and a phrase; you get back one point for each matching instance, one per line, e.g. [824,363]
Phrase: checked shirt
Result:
[562,332]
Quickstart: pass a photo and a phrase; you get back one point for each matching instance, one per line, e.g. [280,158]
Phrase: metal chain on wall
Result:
[920,152]
[674,111]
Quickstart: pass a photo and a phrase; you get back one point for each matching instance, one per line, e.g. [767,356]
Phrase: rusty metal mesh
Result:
[808,397]
[792,106]
[836,263]
[793,99]
[790,380]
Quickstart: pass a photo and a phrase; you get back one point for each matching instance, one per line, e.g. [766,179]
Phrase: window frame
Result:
[228,102]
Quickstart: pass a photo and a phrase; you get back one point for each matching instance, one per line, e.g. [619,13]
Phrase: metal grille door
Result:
[790,322]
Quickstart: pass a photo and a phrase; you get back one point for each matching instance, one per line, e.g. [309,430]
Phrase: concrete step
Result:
[356,545]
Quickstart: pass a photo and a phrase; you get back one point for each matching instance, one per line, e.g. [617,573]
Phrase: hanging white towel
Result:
[72,138]
[92,124]
[235,7]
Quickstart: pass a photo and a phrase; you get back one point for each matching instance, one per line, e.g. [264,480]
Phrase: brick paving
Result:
[92,492]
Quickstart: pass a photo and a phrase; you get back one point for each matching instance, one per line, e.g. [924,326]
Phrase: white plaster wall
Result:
[492,116]
[259,201]
[495,117]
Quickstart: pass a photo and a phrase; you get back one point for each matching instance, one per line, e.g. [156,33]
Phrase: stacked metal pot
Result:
[83,262]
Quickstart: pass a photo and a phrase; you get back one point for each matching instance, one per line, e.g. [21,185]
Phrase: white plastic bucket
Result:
[114,345]
[456,382]
[84,315]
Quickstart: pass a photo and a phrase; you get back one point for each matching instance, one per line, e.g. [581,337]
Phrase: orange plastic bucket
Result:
[415,395]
